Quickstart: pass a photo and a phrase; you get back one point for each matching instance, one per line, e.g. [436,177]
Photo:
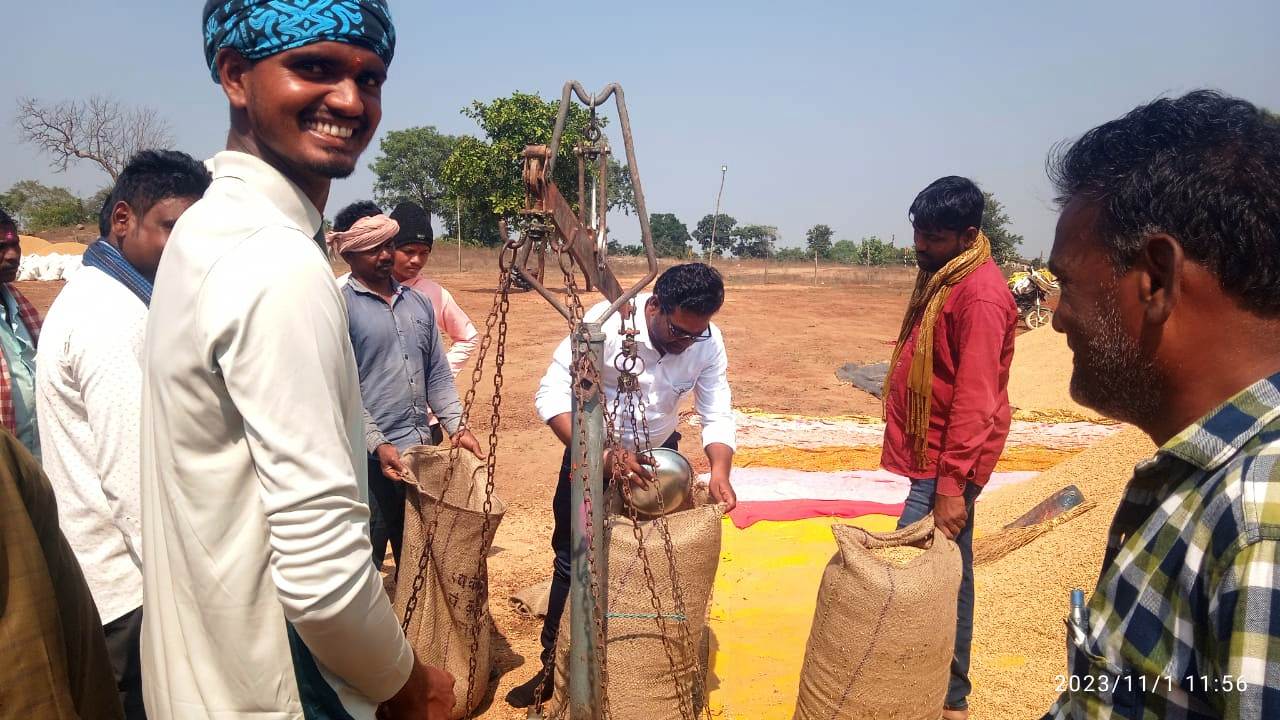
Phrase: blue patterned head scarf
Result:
[262,28]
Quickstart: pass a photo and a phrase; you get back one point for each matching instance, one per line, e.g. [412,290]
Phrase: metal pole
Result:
[715,219]
[585,658]
[460,234]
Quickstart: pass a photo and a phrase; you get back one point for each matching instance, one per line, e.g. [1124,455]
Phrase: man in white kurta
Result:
[259,599]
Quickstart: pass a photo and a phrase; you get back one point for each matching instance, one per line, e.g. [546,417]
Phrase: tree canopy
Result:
[818,240]
[1005,243]
[670,236]
[37,207]
[722,226]
[410,168]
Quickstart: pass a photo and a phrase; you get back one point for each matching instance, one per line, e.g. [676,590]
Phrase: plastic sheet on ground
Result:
[860,492]
[867,377]
[762,608]
[763,430]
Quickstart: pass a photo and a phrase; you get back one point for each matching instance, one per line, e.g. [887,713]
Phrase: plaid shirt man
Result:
[30,317]
[1185,621]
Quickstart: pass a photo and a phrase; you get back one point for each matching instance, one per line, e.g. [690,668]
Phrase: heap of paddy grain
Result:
[1040,378]
[1019,635]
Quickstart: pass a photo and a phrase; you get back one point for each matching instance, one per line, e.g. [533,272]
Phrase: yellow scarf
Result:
[928,297]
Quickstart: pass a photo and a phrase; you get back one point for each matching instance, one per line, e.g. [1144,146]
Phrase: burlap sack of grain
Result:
[642,682]
[453,598]
[883,633]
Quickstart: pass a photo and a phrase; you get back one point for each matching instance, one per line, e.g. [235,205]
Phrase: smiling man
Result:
[259,597]
[1168,255]
[946,399]
[680,350]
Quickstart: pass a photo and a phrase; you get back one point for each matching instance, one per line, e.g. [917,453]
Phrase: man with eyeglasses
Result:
[680,350]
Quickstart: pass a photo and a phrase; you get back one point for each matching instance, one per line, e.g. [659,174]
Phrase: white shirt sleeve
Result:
[108,371]
[555,391]
[713,399]
[275,329]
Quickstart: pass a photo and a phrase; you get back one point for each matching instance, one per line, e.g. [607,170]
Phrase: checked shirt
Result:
[1185,620]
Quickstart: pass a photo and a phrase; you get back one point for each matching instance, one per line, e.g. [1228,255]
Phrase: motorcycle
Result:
[1030,291]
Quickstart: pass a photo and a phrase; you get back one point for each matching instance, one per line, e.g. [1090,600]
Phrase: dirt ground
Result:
[785,335]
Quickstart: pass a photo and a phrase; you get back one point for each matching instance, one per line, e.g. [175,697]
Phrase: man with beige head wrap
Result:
[404,372]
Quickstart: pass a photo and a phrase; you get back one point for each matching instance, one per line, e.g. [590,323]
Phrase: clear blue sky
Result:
[825,112]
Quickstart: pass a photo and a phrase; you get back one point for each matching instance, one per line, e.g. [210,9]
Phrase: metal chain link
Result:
[630,366]
[665,532]
[497,319]
[584,370]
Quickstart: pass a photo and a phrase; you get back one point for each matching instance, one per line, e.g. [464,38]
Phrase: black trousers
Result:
[386,508]
[124,648]
[561,544]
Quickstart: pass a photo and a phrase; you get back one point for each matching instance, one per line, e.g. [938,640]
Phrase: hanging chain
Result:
[629,399]
[497,320]
[664,530]
[585,375]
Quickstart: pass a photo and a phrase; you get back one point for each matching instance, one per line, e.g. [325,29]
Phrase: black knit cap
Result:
[415,225]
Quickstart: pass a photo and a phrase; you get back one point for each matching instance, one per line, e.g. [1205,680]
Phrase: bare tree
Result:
[100,130]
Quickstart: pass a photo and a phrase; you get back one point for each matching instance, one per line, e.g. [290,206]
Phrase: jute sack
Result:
[643,682]
[883,633]
[454,595]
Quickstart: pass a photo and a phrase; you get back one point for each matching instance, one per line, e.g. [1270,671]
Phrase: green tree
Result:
[874,251]
[723,227]
[792,254]
[818,239]
[622,196]
[487,173]
[670,236]
[995,223]
[754,241]
[410,168]
[37,207]
[845,251]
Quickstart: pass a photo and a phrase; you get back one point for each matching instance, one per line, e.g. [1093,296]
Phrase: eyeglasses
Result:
[681,334]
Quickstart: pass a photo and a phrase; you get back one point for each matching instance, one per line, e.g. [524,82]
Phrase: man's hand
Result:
[721,458]
[465,440]
[389,461]
[722,492]
[426,695]
[623,465]
[950,514]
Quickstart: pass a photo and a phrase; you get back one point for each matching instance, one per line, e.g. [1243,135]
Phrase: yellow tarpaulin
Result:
[765,593]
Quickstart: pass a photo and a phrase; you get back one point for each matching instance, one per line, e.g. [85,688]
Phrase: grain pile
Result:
[1019,636]
[899,555]
[867,457]
[32,245]
[1040,377]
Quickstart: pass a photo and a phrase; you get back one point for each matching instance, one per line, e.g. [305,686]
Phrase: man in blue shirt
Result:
[404,373]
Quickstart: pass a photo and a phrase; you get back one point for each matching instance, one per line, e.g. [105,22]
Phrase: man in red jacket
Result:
[946,396]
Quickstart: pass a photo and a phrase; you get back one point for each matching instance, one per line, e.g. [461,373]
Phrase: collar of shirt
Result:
[1200,450]
[363,289]
[13,318]
[281,192]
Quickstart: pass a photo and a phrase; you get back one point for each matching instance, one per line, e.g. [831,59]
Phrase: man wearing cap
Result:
[403,371]
[412,248]
[259,599]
